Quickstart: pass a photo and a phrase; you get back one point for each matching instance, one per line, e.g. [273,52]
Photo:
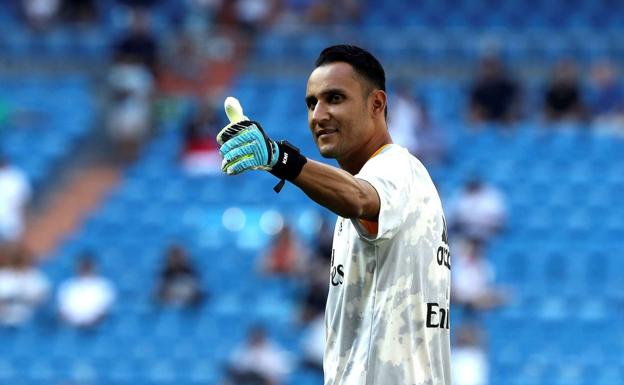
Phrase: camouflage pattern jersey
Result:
[387,316]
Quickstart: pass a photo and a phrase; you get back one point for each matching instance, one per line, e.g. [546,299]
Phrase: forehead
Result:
[337,75]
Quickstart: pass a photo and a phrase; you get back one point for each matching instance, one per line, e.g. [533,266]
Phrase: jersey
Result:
[387,315]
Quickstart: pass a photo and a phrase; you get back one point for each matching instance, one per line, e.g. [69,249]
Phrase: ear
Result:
[379,101]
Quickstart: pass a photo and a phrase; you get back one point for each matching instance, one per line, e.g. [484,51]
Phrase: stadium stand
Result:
[560,254]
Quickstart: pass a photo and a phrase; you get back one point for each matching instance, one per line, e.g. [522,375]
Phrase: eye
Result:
[311,103]
[335,98]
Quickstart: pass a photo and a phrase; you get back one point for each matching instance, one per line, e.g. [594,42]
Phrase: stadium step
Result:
[81,193]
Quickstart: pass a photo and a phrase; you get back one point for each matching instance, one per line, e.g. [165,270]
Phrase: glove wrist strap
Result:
[289,163]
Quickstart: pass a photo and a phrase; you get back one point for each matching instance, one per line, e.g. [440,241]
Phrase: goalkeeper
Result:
[387,315]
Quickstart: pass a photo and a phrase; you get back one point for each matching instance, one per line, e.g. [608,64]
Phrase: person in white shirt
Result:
[470,364]
[87,298]
[479,211]
[387,316]
[15,194]
[23,288]
[258,361]
[473,279]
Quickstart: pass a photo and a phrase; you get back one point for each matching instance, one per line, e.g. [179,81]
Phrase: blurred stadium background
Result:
[100,104]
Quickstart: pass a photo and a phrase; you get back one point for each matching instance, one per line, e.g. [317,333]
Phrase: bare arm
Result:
[339,191]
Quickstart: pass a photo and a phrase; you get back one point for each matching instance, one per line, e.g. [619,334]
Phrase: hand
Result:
[244,144]
[248,149]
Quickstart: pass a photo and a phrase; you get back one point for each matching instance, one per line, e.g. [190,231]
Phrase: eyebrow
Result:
[338,91]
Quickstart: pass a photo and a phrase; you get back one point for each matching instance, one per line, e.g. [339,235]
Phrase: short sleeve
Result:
[390,175]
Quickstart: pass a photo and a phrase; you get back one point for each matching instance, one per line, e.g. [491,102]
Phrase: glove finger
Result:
[243,137]
[233,129]
[229,132]
[242,150]
[239,165]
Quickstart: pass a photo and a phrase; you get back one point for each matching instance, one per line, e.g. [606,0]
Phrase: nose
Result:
[319,113]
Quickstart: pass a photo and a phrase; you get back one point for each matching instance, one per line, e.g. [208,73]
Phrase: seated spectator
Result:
[185,68]
[472,277]
[179,282]
[324,242]
[139,45]
[15,195]
[40,14]
[479,211]
[255,15]
[404,119]
[130,108]
[606,98]
[23,288]
[469,361]
[563,100]
[79,11]
[494,96]
[131,83]
[333,12]
[313,343]
[285,254]
[86,299]
[200,155]
[410,125]
[259,361]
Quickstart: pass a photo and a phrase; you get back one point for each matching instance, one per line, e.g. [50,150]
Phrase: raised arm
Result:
[245,146]
[339,191]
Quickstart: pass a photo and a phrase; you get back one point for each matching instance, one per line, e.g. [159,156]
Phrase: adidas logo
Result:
[285,159]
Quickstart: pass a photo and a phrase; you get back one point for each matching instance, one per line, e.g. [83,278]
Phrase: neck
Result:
[354,162]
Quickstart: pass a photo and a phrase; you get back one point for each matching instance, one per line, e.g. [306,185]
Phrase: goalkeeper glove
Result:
[245,146]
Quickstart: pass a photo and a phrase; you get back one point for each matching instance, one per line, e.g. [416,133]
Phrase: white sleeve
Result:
[390,174]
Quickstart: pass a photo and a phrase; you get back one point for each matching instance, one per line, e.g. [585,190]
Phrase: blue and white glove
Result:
[245,146]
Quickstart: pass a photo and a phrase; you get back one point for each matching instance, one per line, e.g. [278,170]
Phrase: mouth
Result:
[325,132]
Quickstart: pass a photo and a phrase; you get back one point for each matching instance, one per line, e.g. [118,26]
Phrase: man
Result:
[15,196]
[387,315]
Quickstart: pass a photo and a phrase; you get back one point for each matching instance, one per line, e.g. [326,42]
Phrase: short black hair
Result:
[362,61]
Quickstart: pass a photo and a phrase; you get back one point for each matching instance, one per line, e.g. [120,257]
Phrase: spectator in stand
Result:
[259,362]
[333,12]
[139,45]
[431,143]
[494,96]
[479,211]
[411,127]
[23,288]
[404,119]
[606,98]
[313,343]
[79,11]
[285,255]
[323,242]
[179,283]
[185,69]
[256,15]
[130,108]
[563,100]
[15,195]
[200,155]
[472,283]
[40,14]
[131,81]
[469,363]
[86,299]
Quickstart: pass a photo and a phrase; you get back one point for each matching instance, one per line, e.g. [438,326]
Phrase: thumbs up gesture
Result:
[244,144]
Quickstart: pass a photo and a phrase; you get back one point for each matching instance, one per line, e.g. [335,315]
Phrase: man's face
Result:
[338,110]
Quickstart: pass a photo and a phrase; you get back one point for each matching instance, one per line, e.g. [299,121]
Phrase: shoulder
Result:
[390,157]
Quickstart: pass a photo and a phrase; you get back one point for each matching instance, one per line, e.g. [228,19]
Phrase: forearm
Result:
[339,191]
